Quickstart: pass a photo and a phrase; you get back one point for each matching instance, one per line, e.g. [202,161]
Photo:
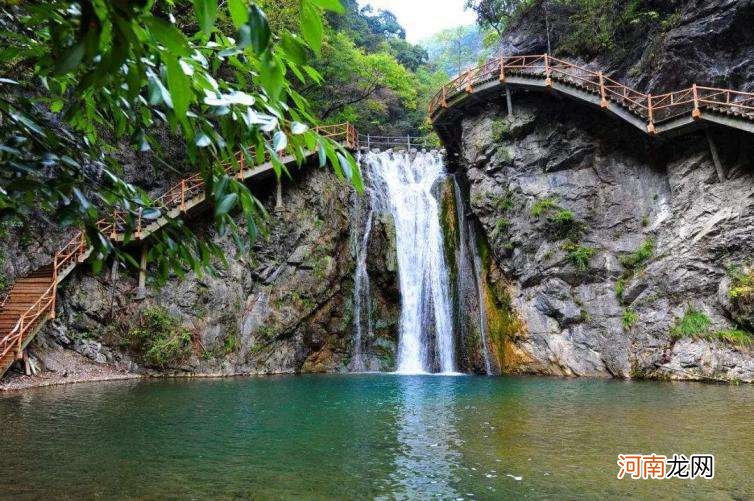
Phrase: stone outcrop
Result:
[608,240]
[284,307]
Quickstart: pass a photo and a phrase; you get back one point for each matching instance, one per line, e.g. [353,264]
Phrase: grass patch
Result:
[737,337]
[640,256]
[501,226]
[504,203]
[579,255]
[629,319]
[501,130]
[159,338]
[693,323]
[742,286]
[543,206]
[632,262]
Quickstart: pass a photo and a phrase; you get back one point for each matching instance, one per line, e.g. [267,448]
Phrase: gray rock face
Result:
[567,199]
[286,307]
[690,42]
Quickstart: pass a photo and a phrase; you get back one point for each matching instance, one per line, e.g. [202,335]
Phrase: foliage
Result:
[501,226]
[736,337]
[601,26]
[455,49]
[159,338]
[629,319]
[232,343]
[640,256]
[96,74]
[497,14]
[742,286]
[504,203]
[579,255]
[692,323]
[501,130]
[543,206]
[632,262]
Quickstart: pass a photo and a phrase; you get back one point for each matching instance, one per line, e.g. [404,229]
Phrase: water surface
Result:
[370,436]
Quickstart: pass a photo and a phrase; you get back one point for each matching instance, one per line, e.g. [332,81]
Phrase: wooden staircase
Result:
[31,300]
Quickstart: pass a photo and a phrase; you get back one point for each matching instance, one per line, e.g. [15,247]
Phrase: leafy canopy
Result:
[94,75]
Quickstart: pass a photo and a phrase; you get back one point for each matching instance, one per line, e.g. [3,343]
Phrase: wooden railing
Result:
[175,197]
[389,142]
[651,108]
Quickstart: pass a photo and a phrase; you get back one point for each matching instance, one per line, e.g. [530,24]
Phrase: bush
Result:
[500,130]
[159,338]
[543,206]
[579,255]
[632,262]
[738,337]
[501,226]
[629,319]
[563,224]
[693,323]
[640,256]
[742,287]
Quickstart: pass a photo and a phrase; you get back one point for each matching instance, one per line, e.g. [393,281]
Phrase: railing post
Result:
[548,71]
[408,142]
[369,142]
[279,194]
[138,225]
[603,96]
[183,195]
[696,113]
[141,291]
[650,115]
[444,102]
[502,68]
[469,86]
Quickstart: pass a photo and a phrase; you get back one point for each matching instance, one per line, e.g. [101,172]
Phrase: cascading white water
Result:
[362,311]
[404,184]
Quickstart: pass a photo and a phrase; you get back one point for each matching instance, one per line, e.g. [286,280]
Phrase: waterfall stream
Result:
[405,185]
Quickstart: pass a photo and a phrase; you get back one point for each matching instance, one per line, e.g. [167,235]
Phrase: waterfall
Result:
[362,311]
[404,184]
[469,278]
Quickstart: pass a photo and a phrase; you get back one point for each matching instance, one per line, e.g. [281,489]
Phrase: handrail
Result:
[652,108]
[176,196]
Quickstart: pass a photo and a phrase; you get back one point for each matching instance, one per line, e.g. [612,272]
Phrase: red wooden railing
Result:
[176,196]
[652,108]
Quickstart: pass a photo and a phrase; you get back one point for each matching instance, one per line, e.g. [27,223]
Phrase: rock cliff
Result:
[285,307]
[612,243]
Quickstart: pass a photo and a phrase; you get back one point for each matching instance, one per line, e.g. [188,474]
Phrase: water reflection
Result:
[427,438]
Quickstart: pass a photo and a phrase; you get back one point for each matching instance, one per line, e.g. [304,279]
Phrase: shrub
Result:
[159,338]
[742,286]
[693,323]
[632,262]
[640,256]
[504,203]
[738,337]
[579,255]
[232,343]
[563,224]
[543,206]
[629,319]
[502,226]
[500,130]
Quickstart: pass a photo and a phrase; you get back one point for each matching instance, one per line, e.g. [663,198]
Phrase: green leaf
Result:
[179,86]
[333,5]
[271,75]
[203,140]
[70,58]
[206,13]
[259,36]
[169,36]
[227,203]
[238,12]
[279,141]
[311,26]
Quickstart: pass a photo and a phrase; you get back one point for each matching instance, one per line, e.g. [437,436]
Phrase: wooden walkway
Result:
[31,299]
[663,114]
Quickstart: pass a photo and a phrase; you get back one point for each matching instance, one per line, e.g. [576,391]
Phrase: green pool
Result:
[370,436]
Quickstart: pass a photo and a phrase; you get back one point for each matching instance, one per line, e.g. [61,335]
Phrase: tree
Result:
[497,14]
[102,72]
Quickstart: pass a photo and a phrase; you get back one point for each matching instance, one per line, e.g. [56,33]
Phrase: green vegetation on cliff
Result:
[159,339]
